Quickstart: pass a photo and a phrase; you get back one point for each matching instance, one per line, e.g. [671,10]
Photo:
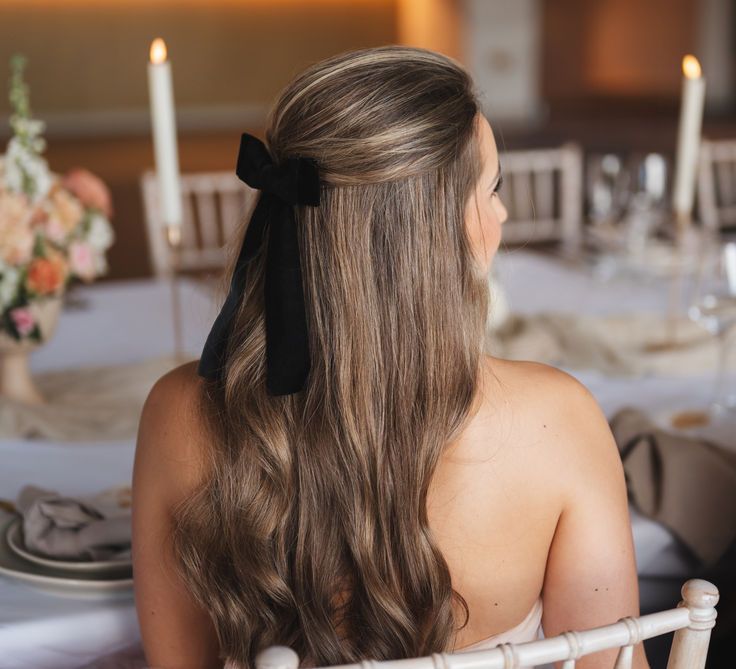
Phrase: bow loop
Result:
[296,181]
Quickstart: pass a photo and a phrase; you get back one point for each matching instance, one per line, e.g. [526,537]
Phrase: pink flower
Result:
[55,230]
[90,190]
[23,320]
[82,260]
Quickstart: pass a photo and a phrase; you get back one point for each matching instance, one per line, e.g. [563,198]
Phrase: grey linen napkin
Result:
[687,484]
[86,528]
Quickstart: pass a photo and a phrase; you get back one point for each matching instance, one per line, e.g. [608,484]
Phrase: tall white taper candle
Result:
[163,122]
[688,138]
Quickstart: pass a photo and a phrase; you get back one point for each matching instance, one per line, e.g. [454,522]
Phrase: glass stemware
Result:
[713,306]
[606,186]
[646,204]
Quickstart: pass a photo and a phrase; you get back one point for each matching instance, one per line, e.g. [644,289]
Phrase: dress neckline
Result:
[532,618]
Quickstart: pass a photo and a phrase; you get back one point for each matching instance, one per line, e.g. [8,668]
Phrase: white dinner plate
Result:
[54,578]
[14,536]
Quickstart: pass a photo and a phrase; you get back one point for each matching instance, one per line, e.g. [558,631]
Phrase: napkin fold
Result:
[94,528]
[686,484]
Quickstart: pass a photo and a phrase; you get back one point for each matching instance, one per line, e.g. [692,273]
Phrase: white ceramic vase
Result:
[16,382]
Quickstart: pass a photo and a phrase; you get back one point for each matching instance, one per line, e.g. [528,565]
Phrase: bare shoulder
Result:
[590,576]
[171,434]
[545,392]
[181,384]
[169,466]
[537,381]
[554,409]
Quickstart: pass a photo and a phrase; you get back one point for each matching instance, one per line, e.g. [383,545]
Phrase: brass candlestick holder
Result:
[173,239]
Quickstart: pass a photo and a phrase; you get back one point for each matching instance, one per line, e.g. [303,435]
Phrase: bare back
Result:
[529,500]
[492,509]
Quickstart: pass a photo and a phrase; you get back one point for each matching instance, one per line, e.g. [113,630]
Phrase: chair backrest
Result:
[691,621]
[717,183]
[214,204]
[543,193]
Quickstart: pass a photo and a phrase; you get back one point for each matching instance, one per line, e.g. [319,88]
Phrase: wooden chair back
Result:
[717,183]
[543,193]
[214,204]
[691,621]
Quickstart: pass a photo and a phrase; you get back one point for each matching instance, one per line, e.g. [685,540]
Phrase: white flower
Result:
[100,264]
[30,126]
[19,161]
[9,285]
[100,235]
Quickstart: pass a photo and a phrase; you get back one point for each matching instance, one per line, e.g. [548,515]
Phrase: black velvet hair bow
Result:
[294,182]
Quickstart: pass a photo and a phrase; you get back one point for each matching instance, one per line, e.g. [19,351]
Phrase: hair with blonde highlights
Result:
[311,528]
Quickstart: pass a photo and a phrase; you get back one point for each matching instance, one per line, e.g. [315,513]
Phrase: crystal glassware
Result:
[713,306]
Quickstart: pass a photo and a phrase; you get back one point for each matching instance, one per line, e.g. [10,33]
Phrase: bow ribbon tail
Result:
[212,362]
[287,344]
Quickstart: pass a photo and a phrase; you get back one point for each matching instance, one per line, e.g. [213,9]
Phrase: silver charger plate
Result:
[14,537]
[54,578]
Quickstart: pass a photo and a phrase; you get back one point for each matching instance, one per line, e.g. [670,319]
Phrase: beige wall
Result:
[636,47]
[89,56]
[624,49]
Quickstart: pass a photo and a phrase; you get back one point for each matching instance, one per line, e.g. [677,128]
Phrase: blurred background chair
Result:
[693,619]
[213,206]
[543,193]
[717,183]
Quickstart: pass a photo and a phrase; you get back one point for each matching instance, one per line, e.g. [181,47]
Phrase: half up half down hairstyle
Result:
[310,529]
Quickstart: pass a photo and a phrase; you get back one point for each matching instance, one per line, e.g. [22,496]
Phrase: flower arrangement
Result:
[53,229]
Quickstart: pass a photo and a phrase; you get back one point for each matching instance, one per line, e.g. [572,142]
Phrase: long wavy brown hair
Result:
[311,528]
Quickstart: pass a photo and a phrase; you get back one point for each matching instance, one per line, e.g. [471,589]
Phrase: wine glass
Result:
[606,186]
[646,201]
[713,307]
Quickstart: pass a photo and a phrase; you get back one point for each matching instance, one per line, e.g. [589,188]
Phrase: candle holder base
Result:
[173,239]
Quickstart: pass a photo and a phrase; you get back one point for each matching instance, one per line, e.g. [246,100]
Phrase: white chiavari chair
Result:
[214,204]
[691,621]
[717,183]
[543,193]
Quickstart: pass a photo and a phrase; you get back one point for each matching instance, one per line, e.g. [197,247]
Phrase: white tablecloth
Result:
[130,321]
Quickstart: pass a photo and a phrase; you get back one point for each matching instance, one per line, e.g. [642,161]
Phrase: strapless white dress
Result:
[528,629]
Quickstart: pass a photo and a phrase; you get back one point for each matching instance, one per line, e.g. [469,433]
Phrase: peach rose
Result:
[46,275]
[90,189]
[16,236]
[65,212]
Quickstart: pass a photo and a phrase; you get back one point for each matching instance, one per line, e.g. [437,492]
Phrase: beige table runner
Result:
[86,404]
[626,345]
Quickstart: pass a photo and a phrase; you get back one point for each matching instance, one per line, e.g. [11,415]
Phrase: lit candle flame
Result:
[691,67]
[158,51]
